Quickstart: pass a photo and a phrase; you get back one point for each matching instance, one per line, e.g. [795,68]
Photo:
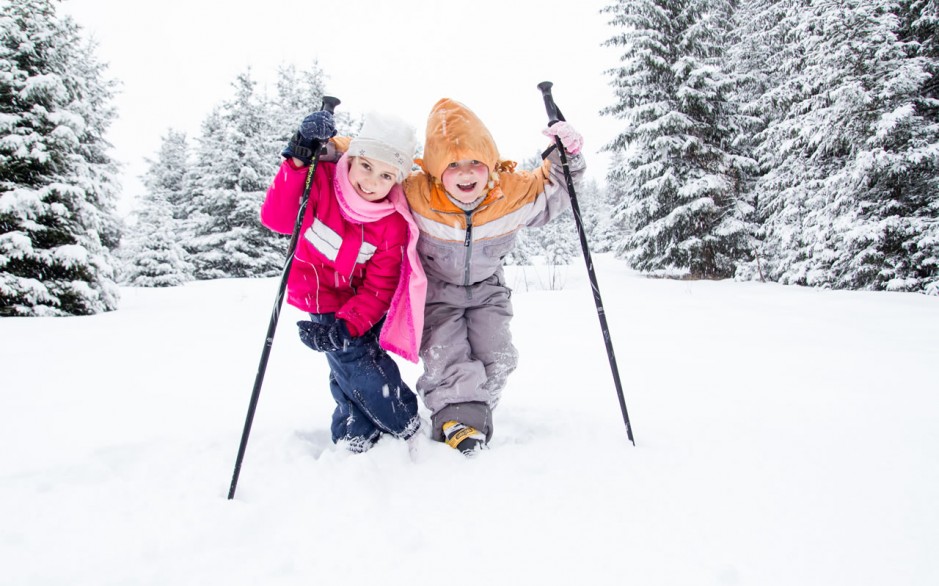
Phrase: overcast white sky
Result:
[176,59]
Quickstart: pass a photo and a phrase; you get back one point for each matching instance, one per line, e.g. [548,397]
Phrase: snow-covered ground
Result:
[784,436]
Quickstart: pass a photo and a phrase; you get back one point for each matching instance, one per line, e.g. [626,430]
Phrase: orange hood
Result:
[455,133]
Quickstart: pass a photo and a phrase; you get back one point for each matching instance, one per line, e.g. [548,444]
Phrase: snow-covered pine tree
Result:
[297,94]
[682,175]
[596,212]
[849,149]
[527,245]
[896,168]
[556,243]
[612,226]
[201,181]
[559,245]
[755,52]
[236,157]
[899,163]
[154,255]
[923,19]
[552,245]
[524,250]
[171,173]
[57,182]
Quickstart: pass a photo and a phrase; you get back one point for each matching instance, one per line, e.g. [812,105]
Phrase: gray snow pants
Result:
[467,352]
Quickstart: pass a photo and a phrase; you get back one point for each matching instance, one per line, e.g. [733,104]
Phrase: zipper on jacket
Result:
[468,245]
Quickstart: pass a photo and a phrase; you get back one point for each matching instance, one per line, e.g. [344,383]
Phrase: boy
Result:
[469,205]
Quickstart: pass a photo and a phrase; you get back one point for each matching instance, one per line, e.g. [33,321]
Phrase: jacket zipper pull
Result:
[469,230]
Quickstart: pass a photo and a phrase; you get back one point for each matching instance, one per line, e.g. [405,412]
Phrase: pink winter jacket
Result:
[358,270]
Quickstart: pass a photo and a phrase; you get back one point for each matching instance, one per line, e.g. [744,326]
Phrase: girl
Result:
[356,270]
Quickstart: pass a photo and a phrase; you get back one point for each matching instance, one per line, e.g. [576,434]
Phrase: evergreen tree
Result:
[558,239]
[235,160]
[155,256]
[682,178]
[849,150]
[171,173]
[765,60]
[894,243]
[201,180]
[900,161]
[525,250]
[556,243]
[298,94]
[596,213]
[57,182]
[527,244]
[612,227]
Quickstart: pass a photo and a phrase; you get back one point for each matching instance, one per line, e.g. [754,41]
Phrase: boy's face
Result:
[466,180]
[372,179]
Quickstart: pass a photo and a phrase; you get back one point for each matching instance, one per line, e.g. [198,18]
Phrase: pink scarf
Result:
[404,324]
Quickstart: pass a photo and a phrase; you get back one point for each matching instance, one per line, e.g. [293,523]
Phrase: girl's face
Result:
[466,180]
[372,179]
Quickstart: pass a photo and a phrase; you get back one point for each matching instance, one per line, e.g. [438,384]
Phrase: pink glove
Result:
[570,138]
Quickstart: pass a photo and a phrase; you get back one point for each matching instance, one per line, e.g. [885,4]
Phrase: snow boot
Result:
[464,438]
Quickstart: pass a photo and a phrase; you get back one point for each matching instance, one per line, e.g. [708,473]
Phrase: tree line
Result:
[791,140]
[198,217]
[788,140]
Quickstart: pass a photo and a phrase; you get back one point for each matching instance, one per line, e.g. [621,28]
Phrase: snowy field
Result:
[785,436]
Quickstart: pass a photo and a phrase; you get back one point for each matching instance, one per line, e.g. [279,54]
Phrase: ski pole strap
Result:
[301,152]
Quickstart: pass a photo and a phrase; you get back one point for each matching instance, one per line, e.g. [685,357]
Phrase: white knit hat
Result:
[388,139]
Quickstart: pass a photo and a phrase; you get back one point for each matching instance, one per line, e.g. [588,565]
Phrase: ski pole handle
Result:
[550,106]
[330,103]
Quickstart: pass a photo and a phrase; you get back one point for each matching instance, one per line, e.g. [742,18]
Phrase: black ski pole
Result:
[554,115]
[329,104]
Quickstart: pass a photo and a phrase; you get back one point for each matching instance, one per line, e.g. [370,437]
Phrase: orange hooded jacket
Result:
[467,247]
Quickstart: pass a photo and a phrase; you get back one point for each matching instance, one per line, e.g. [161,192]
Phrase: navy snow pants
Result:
[370,396]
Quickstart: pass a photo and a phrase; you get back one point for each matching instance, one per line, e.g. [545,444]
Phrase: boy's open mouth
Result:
[467,187]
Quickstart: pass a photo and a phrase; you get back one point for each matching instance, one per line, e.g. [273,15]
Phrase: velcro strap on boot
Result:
[456,432]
